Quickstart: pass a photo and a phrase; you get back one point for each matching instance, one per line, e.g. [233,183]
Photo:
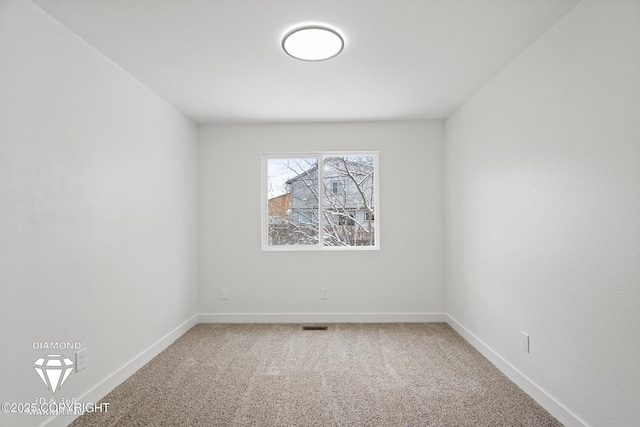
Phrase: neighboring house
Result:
[348,201]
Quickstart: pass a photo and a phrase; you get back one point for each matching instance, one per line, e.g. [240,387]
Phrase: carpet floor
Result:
[402,374]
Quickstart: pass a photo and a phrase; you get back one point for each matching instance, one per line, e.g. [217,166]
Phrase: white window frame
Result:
[318,156]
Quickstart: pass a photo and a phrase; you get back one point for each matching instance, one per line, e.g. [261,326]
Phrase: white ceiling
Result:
[221,61]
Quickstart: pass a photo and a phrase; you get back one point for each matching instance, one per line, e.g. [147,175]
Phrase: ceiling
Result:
[222,61]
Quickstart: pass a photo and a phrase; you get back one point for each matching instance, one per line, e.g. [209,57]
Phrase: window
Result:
[320,201]
[346,218]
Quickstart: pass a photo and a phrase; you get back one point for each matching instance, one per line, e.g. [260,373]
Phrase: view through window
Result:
[320,201]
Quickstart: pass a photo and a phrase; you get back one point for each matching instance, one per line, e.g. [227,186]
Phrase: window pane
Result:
[349,205]
[292,186]
[320,201]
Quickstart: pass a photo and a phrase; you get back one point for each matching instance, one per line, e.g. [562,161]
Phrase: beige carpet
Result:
[404,374]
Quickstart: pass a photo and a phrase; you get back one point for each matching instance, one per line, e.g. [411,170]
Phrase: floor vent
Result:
[315,328]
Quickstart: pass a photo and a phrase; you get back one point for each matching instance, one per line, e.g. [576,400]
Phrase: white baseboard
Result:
[321,317]
[118,377]
[555,408]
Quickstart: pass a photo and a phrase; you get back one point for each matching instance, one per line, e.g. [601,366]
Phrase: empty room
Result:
[330,213]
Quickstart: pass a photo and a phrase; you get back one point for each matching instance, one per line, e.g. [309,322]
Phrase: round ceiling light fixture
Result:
[313,43]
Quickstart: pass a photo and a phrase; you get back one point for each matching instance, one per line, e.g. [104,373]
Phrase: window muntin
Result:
[320,201]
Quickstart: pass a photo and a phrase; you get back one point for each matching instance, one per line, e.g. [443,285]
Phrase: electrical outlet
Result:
[224,293]
[524,342]
[324,293]
[81,359]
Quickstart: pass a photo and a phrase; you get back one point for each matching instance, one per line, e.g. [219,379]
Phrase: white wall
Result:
[97,208]
[543,212]
[98,219]
[403,280]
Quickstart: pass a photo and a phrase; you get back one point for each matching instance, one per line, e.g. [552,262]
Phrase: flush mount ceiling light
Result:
[313,43]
